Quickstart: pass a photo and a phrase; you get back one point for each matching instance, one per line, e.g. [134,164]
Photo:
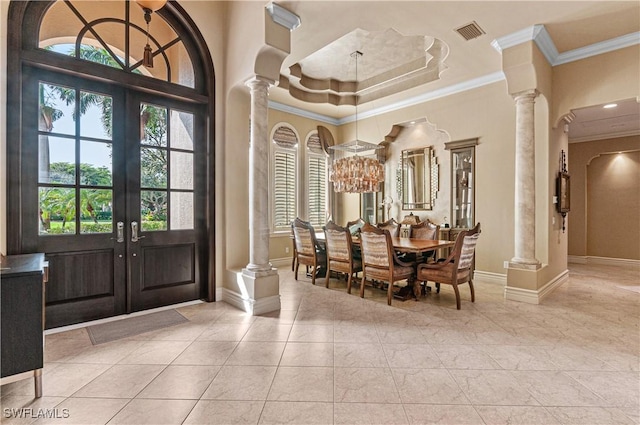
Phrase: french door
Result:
[113,186]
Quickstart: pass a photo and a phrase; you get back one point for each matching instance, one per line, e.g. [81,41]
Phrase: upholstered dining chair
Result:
[424,230]
[379,260]
[308,251]
[340,256]
[392,226]
[355,226]
[457,268]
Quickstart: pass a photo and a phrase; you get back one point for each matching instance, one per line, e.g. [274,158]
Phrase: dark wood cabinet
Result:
[22,316]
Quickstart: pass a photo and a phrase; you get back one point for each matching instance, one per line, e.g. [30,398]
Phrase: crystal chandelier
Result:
[356,174]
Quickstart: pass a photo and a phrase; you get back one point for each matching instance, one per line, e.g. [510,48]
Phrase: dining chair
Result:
[380,261]
[424,230]
[392,226]
[457,268]
[340,256]
[308,251]
[355,226]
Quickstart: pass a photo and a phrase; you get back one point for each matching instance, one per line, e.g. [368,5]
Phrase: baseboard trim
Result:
[251,306]
[281,262]
[489,277]
[589,259]
[535,296]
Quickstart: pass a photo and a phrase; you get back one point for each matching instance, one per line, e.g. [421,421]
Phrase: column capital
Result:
[526,95]
[258,82]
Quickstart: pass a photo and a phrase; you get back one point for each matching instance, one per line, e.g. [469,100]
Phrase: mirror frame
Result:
[429,181]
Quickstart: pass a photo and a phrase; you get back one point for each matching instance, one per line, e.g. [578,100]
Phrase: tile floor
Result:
[332,358]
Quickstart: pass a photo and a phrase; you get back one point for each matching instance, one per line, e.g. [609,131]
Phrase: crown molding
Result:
[283,17]
[302,113]
[540,35]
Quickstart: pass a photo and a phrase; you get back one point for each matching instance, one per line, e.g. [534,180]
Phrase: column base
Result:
[524,264]
[259,292]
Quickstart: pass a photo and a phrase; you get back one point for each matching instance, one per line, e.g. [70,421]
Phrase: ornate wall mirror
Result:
[419,178]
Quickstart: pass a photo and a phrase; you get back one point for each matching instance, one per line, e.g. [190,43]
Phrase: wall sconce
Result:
[149,6]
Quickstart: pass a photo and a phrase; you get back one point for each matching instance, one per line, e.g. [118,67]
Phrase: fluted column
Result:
[259,177]
[525,196]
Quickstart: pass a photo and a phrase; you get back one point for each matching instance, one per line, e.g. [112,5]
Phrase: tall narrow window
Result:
[316,182]
[285,145]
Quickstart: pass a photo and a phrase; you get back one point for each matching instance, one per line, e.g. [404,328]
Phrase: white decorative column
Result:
[525,195]
[260,278]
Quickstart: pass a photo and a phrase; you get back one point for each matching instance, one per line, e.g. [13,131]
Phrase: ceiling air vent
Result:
[470,31]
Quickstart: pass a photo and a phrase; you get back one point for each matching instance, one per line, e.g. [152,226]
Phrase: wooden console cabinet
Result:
[22,316]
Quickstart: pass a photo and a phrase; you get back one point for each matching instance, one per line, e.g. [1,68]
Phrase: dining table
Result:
[405,245]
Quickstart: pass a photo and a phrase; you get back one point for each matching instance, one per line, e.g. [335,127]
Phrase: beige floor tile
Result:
[108,353]
[493,387]
[241,383]
[180,382]
[154,412]
[415,356]
[120,381]
[257,354]
[297,413]
[85,411]
[216,412]
[428,386]
[261,331]
[368,414]
[307,354]
[590,415]
[64,349]
[357,385]
[206,353]
[552,388]
[516,415]
[311,333]
[464,357]
[224,331]
[619,389]
[302,384]
[68,378]
[155,352]
[359,355]
[356,334]
[442,414]
[395,333]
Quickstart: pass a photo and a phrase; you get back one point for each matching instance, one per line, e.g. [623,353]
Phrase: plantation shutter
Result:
[317,182]
[284,178]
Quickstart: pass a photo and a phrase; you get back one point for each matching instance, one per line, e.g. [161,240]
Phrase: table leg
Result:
[37,379]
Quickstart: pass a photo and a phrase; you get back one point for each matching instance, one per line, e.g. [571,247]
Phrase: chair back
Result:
[465,248]
[338,240]
[355,225]
[424,230]
[305,237]
[377,249]
[392,226]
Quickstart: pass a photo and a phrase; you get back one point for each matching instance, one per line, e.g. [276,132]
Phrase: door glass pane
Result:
[56,160]
[95,216]
[57,107]
[95,115]
[153,210]
[181,130]
[153,125]
[95,163]
[153,168]
[181,170]
[181,210]
[57,210]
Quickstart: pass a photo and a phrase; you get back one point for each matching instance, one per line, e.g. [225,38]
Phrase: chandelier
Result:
[356,174]
[149,6]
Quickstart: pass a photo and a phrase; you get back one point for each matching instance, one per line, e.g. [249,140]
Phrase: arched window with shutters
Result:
[316,181]
[284,177]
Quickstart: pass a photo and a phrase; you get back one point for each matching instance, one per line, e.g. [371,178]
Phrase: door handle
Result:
[119,232]
[134,232]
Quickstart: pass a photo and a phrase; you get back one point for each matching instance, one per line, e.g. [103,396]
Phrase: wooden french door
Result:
[113,191]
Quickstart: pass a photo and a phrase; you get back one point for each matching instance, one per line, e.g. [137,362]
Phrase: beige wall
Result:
[620,219]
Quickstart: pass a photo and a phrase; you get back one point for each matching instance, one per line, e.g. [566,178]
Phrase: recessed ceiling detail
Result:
[390,63]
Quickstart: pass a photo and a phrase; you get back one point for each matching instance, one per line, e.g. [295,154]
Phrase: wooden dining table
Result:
[409,245]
